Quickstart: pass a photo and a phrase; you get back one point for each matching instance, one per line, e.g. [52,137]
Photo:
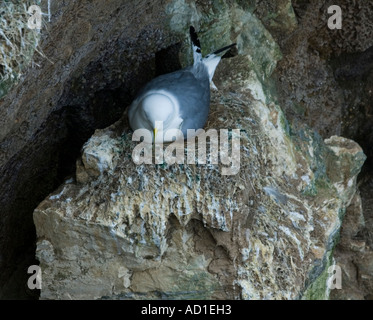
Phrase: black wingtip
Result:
[224,49]
[194,38]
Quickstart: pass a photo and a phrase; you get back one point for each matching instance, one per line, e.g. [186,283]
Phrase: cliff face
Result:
[120,230]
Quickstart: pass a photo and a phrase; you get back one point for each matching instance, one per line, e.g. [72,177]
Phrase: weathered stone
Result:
[123,230]
[353,254]
[98,54]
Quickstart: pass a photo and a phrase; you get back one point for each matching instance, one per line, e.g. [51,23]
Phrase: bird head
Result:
[161,114]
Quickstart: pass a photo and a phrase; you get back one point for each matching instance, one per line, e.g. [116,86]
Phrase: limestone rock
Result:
[354,252]
[126,231]
[92,57]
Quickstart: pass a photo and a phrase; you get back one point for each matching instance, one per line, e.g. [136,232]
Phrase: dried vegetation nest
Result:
[17,42]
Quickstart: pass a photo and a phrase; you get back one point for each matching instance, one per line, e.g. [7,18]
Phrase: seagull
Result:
[178,100]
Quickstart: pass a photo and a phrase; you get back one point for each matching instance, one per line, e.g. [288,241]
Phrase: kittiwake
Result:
[178,100]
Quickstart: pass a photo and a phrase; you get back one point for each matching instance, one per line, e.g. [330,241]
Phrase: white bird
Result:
[178,100]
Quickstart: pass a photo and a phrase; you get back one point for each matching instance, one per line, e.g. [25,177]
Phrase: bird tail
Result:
[196,45]
[212,60]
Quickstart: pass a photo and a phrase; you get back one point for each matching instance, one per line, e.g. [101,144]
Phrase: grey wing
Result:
[195,110]
[193,95]
[194,102]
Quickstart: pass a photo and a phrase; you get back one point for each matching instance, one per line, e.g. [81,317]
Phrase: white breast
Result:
[157,105]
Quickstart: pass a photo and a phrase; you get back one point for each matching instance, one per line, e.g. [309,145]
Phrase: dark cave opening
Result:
[50,157]
[354,73]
